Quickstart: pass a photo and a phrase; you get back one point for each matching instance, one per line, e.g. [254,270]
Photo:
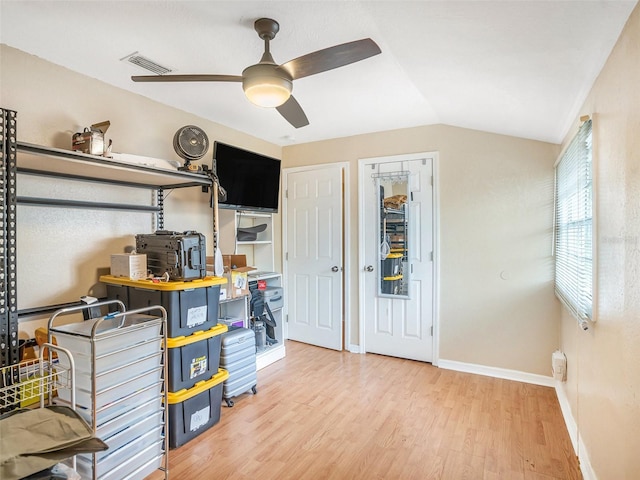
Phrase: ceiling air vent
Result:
[145,63]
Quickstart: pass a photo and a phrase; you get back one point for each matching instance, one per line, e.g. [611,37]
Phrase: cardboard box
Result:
[238,283]
[237,263]
[225,292]
[237,279]
[130,265]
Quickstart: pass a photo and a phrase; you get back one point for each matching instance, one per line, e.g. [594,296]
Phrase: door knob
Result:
[369,268]
[334,268]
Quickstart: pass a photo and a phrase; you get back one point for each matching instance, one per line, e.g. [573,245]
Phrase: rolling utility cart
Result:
[238,357]
[120,388]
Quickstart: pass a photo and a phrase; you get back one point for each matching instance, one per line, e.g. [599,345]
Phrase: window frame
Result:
[574,226]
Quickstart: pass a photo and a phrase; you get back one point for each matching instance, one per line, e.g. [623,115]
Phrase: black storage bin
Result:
[193,358]
[392,265]
[194,411]
[191,306]
[392,285]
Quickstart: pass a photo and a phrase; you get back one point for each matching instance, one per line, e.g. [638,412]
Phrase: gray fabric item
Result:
[32,440]
[250,234]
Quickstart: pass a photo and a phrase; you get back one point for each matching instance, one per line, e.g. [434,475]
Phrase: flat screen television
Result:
[251,180]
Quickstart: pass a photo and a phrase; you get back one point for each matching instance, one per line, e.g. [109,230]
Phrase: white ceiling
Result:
[515,67]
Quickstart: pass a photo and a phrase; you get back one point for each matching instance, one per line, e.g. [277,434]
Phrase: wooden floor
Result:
[321,414]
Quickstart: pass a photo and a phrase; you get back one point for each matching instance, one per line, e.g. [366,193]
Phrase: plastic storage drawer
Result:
[191,306]
[193,411]
[193,358]
[127,359]
[127,460]
[238,357]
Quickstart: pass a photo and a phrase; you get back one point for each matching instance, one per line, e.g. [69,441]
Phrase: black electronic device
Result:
[251,180]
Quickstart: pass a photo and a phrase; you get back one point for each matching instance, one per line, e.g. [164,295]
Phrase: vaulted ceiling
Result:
[513,67]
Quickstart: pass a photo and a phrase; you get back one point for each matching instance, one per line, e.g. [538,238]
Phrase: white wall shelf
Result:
[259,252]
[234,310]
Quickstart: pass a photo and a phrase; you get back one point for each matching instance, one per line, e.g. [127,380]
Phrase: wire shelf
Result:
[32,381]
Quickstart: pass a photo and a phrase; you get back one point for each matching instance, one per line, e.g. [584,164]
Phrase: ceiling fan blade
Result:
[187,78]
[330,58]
[293,113]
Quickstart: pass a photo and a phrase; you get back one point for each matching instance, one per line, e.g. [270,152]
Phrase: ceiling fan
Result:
[268,84]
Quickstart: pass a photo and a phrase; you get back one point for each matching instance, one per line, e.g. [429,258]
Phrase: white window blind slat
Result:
[574,225]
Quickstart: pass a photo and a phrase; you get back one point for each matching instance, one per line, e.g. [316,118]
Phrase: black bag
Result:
[257,308]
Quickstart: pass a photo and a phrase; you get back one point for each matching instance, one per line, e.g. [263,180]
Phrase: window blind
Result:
[573,225]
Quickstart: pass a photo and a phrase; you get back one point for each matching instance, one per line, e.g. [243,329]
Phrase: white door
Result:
[398,326]
[313,256]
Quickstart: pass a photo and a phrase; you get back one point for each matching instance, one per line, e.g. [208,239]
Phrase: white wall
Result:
[603,380]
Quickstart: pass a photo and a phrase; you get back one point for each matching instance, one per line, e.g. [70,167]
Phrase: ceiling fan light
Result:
[265,87]
[271,92]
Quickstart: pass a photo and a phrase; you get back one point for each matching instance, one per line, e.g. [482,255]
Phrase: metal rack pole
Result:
[9,349]
[160,214]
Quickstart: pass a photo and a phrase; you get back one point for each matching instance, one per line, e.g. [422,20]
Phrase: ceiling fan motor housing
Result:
[266,28]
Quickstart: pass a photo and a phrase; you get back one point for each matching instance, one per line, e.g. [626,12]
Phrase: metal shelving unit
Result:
[20,158]
[66,164]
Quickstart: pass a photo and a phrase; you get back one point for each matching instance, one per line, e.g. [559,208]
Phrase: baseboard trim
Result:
[270,356]
[496,372]
[576,439]
[354,348]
